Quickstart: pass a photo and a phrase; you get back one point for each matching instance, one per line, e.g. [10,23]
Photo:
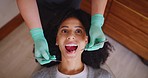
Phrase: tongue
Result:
[71,48]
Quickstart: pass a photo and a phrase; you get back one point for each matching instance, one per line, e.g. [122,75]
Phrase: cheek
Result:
[83,38]
[60,40]
[82,41]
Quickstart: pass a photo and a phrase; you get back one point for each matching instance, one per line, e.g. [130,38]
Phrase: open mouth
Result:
[71,47]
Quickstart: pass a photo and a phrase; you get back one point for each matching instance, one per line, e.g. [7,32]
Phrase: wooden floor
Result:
[125,64]
[16,58]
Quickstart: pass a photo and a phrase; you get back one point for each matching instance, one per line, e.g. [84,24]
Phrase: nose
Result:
[71,36]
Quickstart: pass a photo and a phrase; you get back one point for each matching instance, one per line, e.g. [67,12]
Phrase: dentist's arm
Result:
[98,6]
[29,12]
[97,36]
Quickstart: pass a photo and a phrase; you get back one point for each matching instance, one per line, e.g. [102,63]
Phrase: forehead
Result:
[71,22]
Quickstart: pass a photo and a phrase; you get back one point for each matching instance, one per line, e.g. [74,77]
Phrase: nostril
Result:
[68,38]
[71,37]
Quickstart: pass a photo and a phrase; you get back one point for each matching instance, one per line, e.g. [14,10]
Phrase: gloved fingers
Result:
[45,55]
[87,49]
[92,41]
[99,45]
[41,53]
[95,47]
[37,53]
[91,48]
[53,57]
[42,61]
[95,42]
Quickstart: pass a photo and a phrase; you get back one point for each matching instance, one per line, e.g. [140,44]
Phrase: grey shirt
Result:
[51,73]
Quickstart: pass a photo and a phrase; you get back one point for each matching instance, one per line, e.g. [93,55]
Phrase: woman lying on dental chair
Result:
[65,41]
[69,47]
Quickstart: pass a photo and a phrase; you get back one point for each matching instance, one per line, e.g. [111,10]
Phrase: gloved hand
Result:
[41,47]
[97,37]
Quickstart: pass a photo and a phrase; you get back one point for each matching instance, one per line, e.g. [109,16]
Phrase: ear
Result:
[86,39]
[56,41]
[56,44]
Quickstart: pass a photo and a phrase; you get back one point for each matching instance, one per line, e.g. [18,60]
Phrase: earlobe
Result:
[56,43]
[86,39]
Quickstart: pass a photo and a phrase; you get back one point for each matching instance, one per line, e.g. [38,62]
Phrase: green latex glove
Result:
[97,37]
[41,47]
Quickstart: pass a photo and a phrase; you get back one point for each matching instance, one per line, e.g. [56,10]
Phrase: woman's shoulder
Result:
[45,72]
[98,72]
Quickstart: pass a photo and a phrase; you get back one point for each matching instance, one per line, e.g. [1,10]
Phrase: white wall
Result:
[8,10]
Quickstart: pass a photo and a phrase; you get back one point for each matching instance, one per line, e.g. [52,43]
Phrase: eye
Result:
[79,31]
[64,31]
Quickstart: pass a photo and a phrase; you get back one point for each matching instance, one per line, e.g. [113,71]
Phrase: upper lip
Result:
[71,44]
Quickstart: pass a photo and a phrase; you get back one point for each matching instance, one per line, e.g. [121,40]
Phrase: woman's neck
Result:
[71,67]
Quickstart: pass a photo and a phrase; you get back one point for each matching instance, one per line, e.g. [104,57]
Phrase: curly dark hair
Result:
[91,58]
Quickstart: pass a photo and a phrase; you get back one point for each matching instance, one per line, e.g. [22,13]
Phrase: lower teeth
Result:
[72,51]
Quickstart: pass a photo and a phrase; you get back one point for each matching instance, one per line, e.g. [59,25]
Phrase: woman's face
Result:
[71,38]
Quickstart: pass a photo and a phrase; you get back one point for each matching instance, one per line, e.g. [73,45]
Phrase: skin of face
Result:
[71,31]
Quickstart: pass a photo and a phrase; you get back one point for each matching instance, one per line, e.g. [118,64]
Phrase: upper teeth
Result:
[71,45]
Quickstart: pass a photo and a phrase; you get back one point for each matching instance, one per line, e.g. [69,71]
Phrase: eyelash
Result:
[64,31]
[79,31]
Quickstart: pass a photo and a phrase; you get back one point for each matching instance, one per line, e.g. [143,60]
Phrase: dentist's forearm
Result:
[98,6]
[29,12]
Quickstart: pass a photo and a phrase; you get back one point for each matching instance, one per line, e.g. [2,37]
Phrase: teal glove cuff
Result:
[37,33]
[97,20]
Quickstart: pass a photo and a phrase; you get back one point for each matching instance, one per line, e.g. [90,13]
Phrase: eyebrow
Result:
[63,27]
[74,27]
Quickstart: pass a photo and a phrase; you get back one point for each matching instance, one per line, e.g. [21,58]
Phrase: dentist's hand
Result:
[97,37]
[41,47]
